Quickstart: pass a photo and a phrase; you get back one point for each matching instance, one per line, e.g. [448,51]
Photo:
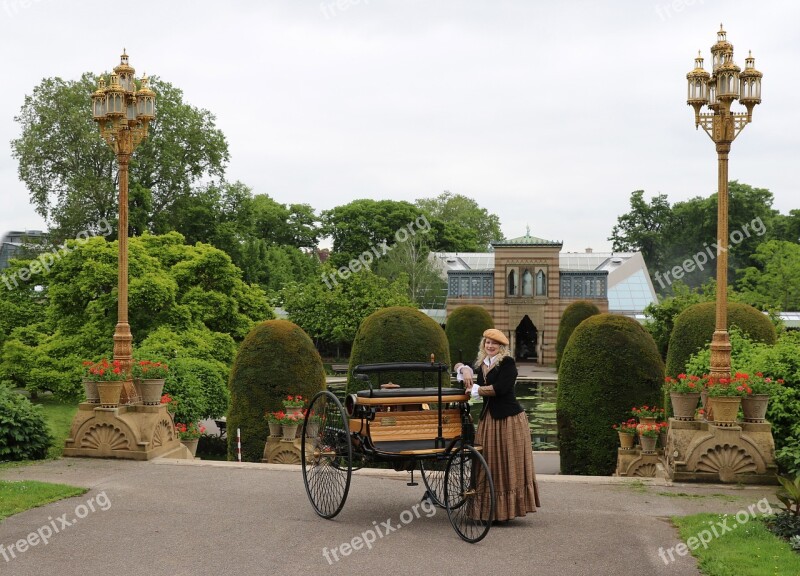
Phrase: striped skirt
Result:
[507,450]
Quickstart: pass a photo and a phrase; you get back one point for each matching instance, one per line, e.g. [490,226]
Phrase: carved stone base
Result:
[132,432]
[276,451]
[702,452]
[634,463]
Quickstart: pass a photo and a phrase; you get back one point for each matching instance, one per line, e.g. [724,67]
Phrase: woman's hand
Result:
[468,376]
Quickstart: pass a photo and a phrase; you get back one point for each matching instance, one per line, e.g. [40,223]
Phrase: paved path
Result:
[213,519]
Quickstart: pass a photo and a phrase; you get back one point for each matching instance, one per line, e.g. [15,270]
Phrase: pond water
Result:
[538,398]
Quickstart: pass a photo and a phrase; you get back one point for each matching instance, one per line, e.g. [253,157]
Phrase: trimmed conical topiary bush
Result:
[398,334]
[610,365]
[573,315]
[694,328]
[276,359]
[464,330]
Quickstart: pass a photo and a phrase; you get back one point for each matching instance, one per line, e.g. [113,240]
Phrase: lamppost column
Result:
[123,340]
[720,341]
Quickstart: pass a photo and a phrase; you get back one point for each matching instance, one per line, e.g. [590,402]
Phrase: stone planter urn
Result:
[684,405]
[724,409]
[90,387]
[754,407]
[289,432]
[150,390]
[191,445]
[274,429]
[109,393]
[648,444]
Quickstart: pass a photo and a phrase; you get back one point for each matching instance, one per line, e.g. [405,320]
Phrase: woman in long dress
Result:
[503,430]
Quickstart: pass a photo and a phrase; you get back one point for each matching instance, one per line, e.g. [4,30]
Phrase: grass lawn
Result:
[17,497]
[59,419]
[747,549]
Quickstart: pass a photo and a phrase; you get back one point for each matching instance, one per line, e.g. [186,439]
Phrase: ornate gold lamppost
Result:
[718,90]
[123,114]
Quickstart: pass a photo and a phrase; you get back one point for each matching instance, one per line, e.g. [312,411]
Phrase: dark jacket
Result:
[503,377]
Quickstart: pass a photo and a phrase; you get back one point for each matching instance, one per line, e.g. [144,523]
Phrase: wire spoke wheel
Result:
[469,494]
[327,456]
[432,472]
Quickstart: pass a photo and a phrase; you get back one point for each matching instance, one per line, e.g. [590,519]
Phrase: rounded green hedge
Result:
[464,330]
[276,359]
[398,334]
[695,325]
[573,315]
[24,434]
[610,365]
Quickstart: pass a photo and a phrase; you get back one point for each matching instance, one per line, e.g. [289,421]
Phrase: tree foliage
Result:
[464,329]
[694,328]
[460,213]
[398,334]
[411,259]
[573,315]
[669,236]
[194,289]
[610,364]
[330,309]
[774,282]
[71,173]
[275,360]
[778,361]
[23,430]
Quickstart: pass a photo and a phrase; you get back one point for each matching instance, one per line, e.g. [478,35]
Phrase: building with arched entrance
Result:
[526,284]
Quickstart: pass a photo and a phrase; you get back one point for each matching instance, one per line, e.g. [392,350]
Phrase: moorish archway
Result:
[526,338]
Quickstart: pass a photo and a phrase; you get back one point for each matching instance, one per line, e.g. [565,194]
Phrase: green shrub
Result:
[398,334]
[24,434]
[198,388]
[276,359]
[610,364]
[464,330]
[212,445]
[695,326]
[778,361]
[573,315]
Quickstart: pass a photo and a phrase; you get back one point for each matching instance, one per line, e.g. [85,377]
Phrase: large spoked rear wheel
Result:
[469,494]
[327,454]
[433,477]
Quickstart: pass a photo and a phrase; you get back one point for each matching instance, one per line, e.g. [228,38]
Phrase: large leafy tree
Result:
[365,224]
[775,280]
[641,228]
[173,286]
[331,312]
[411,259]
[463,217]
[71,173]
[668,236]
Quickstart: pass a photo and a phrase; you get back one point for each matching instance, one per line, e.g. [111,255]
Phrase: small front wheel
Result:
[327,454]
[469,494]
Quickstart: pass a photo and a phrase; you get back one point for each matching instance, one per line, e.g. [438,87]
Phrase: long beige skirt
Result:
[507,450]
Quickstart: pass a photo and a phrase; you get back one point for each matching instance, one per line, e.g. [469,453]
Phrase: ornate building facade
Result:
[526,284]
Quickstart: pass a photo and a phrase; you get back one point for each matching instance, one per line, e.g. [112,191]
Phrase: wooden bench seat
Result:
[391,426]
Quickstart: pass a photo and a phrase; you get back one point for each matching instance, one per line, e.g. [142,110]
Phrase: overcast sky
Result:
[548,114]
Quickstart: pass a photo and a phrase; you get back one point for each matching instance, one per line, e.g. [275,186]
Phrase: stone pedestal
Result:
[277,451]
[702,452]
[634,463]
[133,432]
